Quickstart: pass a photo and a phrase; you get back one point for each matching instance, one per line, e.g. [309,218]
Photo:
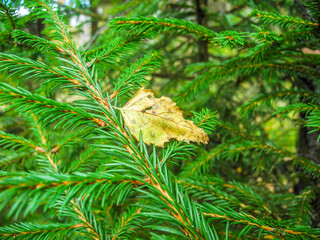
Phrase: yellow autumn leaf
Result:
[159,120]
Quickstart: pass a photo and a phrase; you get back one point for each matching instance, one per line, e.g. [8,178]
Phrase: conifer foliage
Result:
[71,167]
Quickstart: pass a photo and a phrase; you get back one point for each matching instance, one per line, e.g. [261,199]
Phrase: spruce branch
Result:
[301,208]
[128,222]
[223,193]
[313,121]
[34,69]
[44,144]
[85,216]
[111,52]
[133,77]
[201,191]
[54,186]
[26,102]
[313,7]
[75,55]
[297,108]
[57,231]
[263,50]
[206,120]
[306,164]
[236,147]
[163,195]
[8,140]
[9,14]
[177,151]
[284,21]
[84,160]
[230,39]
[230,215]
[245,191]
[127,5]
[88,220]
[35,42]
[233,68]
[202,161]
[255,104]
[166,24]
[52,17]
[10,159]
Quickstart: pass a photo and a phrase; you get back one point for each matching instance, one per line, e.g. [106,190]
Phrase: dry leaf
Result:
[309,51]
[159,119]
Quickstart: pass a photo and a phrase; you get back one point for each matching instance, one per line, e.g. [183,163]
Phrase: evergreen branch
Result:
[284,21]
[74,54]
[231,39]
[160,192]
[303,207]
[297,108]
[70,117]
[233,68]
[234,130]
[306,164]
[34,41]
[205,192]
[8,140]
[9,15]
[110,52]
[10,159]
[234,148]
[179,214]
[43,140]
[230,215]
[177,151]
[85,157]
[76,57]
[35,69]
[266,99]
[85,74]
[123,136]
[206,120]
[313,121]
[56,231]
[127,223]
[51,16]
[133,77]
[126,5]
[192,88]
[183,212]
[134,165]
[248,193]
[292,67]
[165,24]
[82,11]
[88,220]
[47,188]
[263,50]
[296,34]
[201,162]
[72,137]
[38,130]
[313,6]
[232,192]
[70,49]
[80,213]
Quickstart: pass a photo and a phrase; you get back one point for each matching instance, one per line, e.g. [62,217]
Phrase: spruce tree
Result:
[72,167]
